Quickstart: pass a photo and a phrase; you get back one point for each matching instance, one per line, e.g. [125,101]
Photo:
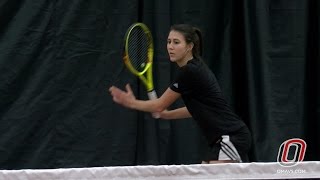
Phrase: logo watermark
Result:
[296,146]
[290,153]
[291,171]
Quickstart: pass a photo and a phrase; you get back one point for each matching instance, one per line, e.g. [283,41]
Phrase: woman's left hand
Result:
[121,97]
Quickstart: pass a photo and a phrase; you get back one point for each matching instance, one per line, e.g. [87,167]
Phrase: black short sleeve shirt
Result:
[203,98]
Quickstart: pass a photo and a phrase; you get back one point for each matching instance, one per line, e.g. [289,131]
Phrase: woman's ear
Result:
[190,46]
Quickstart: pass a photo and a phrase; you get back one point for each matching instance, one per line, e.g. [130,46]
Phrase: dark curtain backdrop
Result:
[58,58]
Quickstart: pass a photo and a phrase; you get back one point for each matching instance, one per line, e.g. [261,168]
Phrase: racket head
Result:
[138,49]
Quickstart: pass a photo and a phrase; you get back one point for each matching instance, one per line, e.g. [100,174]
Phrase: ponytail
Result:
[198,40]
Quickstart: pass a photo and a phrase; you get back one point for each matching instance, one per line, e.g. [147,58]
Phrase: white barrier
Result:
[303,170]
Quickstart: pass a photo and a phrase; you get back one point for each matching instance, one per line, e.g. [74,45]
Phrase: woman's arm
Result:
[179,113]
[127,99]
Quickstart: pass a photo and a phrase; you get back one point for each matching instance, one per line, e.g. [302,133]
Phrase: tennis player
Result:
[228,136]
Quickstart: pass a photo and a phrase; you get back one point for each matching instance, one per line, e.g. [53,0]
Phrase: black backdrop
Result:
[58,58]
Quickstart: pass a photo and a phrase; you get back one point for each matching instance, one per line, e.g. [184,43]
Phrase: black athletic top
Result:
[203,98]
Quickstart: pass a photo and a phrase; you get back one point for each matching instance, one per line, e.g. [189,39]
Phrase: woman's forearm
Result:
[147,106]
[179,113]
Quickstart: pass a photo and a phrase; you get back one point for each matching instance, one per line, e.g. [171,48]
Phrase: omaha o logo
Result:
[296,148]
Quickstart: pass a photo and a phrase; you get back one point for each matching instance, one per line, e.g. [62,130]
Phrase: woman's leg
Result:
[230,148]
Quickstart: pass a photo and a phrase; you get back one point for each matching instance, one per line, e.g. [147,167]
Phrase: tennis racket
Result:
[138,56]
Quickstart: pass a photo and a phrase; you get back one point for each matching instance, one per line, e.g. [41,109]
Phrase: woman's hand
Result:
[164,114]
[124,98]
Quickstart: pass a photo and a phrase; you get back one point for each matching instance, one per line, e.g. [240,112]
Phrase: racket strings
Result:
[138,45]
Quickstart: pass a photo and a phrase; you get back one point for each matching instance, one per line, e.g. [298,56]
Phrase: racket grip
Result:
[153,95]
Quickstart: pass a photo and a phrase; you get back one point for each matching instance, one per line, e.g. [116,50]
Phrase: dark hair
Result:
[192,35]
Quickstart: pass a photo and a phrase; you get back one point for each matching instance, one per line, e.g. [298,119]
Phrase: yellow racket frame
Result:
[146,74]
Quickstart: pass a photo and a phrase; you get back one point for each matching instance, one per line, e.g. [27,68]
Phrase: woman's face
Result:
[178,49]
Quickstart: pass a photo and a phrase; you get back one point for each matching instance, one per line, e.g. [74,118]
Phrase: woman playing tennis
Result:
[227,135]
